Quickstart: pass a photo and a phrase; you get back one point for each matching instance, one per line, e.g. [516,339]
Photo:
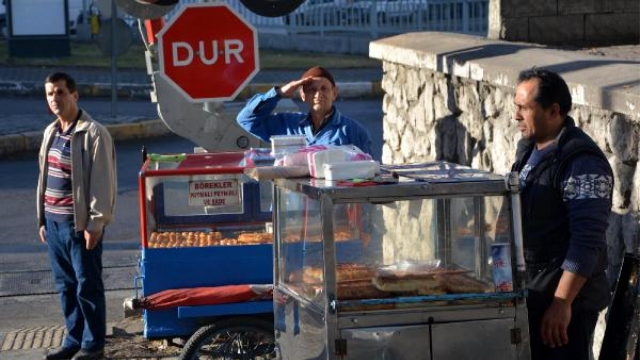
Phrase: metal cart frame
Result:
[335,317]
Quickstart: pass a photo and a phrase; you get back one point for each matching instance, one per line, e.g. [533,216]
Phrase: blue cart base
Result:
[175,268]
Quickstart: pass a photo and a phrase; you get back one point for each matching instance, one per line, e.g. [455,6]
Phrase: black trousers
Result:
[580,331]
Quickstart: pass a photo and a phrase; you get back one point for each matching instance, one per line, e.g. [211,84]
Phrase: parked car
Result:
[75,16]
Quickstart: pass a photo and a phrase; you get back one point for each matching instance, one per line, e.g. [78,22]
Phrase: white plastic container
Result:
[318,159]
[282,145]
[287,143]
[351,170]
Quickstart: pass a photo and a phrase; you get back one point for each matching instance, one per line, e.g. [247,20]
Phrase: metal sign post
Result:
[114,56]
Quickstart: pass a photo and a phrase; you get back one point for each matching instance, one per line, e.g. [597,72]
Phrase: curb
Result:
[30,141]
[143,91]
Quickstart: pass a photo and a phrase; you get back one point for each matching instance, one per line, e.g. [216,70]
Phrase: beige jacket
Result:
[93,174]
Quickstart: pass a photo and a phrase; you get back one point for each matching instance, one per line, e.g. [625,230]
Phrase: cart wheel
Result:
[232,339]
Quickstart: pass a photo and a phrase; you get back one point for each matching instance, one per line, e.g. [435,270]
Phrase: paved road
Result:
[24,265]
[28,114]
[22,256]
[96,75]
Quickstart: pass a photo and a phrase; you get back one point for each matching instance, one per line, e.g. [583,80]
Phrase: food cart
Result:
[205,224]
[420,268]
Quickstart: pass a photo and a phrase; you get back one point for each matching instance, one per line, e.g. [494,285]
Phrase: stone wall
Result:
[566,22]
[432,116]
[450,97]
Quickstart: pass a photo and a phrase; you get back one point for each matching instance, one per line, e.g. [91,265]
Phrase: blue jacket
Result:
[257,118]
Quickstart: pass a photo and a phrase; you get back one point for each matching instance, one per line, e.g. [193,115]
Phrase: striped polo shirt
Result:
[58,197]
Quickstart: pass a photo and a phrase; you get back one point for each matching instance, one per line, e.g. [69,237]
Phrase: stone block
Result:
[621,28]
[556,30]
[417,116]
[425,105]
[408,143]
[595,122]
[515,29]
[423,147]
[413,84]
[610,5]
[391,136]
[633,5]
[468,100]
[623,186]
[390,77]
[391,113]
[623,137]
[387,154]
[494,20]
[635,194]
[578,6]
[522,8]
[503,147]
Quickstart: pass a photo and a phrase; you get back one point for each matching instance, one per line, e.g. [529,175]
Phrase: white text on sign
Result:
[208,53]
[214,193]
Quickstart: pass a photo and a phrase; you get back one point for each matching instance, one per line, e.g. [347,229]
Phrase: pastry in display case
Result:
[173,239]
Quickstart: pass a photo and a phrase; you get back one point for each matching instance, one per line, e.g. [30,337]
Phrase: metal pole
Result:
[114,17]
[322,19]
[84,29]
[420,13]
[465,17]
[373,19]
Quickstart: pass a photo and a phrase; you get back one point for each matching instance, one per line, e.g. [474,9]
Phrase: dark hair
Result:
[551,89]
[318,71]
[55,77]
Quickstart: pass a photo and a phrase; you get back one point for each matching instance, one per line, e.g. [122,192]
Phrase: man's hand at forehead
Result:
[288,90]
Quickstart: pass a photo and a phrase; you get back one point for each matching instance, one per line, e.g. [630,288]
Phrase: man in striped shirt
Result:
[75,201]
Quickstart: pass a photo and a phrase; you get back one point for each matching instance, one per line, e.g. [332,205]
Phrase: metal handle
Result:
[517,232]
[512,182]
[136,280]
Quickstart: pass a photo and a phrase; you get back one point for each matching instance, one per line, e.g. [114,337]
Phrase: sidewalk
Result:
[19,133]
[34,323]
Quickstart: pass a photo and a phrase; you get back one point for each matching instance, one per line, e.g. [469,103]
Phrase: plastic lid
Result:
[288,140]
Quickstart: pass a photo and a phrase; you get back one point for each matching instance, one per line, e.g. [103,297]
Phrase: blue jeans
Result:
[77,274]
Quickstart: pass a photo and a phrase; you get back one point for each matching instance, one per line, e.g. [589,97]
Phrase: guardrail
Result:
[372,17]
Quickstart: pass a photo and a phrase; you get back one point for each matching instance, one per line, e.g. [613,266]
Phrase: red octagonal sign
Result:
[208,52]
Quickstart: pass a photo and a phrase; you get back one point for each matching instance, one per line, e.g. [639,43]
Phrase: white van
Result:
[75,9]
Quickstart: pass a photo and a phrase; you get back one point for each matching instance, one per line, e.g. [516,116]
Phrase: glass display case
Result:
[428,267]
[203,223]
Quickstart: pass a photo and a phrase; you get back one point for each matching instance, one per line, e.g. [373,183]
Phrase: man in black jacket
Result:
[566,184]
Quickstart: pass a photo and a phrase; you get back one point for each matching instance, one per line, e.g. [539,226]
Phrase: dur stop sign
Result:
[208,52]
